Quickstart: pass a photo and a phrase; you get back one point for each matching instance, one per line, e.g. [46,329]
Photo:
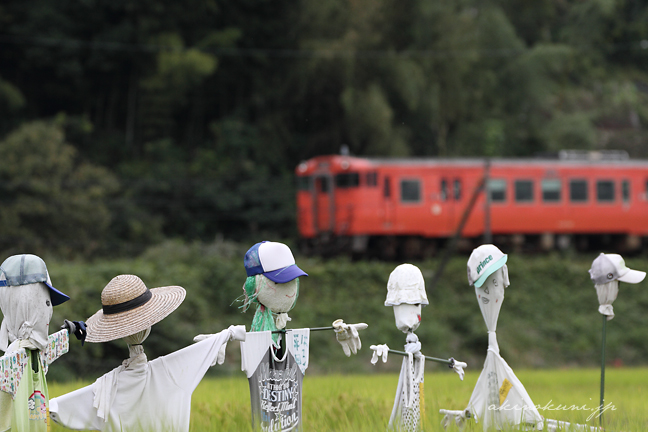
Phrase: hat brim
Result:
[104,328]
[633,276]
[285,274]
[57,297]
[490,270]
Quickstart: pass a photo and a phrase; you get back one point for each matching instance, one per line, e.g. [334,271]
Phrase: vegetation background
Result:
[160,138]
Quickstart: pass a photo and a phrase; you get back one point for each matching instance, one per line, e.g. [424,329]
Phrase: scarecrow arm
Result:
[57,345]
[453,364]
[347,335]
[236,333]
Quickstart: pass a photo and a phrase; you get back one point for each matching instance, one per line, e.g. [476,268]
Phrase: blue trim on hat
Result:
[285,274]
[3,283]
[56,296]
[490,270]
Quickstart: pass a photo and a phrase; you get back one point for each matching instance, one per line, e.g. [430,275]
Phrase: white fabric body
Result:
[499,399]
[407,316]
[279,298]
[607,293]
[406,413]
[141,395]
[406,285]
[27,311]
[256,345]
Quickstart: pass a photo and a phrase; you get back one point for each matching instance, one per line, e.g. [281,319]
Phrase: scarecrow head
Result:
[26,300]
[272,283]
[606,272]
[487,271]
[130,309]
[406,293]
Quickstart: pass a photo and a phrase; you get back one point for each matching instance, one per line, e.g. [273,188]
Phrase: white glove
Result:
[347,335]
[236,333]
[458,416]
[378,351]
[458,367]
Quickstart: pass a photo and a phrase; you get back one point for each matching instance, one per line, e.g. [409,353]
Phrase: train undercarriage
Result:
[401,248]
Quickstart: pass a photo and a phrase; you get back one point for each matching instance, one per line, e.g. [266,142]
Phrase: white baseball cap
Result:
[483,262]
[609,267]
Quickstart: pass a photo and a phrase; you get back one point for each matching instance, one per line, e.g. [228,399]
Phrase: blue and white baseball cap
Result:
[273,260]
[27,269]
[484,261]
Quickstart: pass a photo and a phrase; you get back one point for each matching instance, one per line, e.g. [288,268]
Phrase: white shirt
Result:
[154,395]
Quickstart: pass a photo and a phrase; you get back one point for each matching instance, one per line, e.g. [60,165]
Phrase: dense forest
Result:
[123,123]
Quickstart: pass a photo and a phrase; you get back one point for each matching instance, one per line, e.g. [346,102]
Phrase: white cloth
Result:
[606,294]
[27,311]
[406,413]
[153,395]
[499,398]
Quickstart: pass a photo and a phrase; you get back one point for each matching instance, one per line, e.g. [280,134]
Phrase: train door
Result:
[324,206]
[388,206]
[446,190]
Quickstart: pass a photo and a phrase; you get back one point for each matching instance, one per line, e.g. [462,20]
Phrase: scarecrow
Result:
[26,300]
[406,294]
[275,359]
[499,399]
[140,395]
[606,272]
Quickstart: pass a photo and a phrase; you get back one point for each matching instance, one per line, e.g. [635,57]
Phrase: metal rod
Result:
[311,329]
[602,371]
[438,360]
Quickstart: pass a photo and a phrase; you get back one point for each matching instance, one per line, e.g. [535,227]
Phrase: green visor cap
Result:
[490,270]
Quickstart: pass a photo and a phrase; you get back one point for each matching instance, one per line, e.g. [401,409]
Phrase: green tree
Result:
[51,200]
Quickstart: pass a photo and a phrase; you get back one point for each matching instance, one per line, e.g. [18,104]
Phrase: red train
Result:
[410,207]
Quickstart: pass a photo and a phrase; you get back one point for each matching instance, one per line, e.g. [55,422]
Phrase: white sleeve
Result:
[188,366]
[75,411]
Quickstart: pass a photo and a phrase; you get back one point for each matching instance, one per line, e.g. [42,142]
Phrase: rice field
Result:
[364,402]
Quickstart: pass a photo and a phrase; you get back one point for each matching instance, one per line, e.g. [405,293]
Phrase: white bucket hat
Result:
[406,285]
[609,267]
[130,307]
[483,262]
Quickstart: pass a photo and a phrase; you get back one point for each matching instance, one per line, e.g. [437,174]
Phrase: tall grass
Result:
[364,402]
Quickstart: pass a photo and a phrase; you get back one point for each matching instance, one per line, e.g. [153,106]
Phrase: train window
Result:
[410,191]
[551,190]
[323,185]
[497,190]
[387,188]
[605,191]
[456,189]
[371,179]
[304,183]
[347,180]
[625,190]
[578,190]
[523,190]
[444,190]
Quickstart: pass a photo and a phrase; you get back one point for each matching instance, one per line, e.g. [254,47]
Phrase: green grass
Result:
[364,402]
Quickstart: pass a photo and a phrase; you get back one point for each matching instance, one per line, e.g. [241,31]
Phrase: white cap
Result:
[609,267]
[483,262]
[406,286]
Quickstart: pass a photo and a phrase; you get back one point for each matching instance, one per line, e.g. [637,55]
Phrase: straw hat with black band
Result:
[130,307]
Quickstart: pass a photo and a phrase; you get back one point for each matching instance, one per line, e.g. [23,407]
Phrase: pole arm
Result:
[450,362]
